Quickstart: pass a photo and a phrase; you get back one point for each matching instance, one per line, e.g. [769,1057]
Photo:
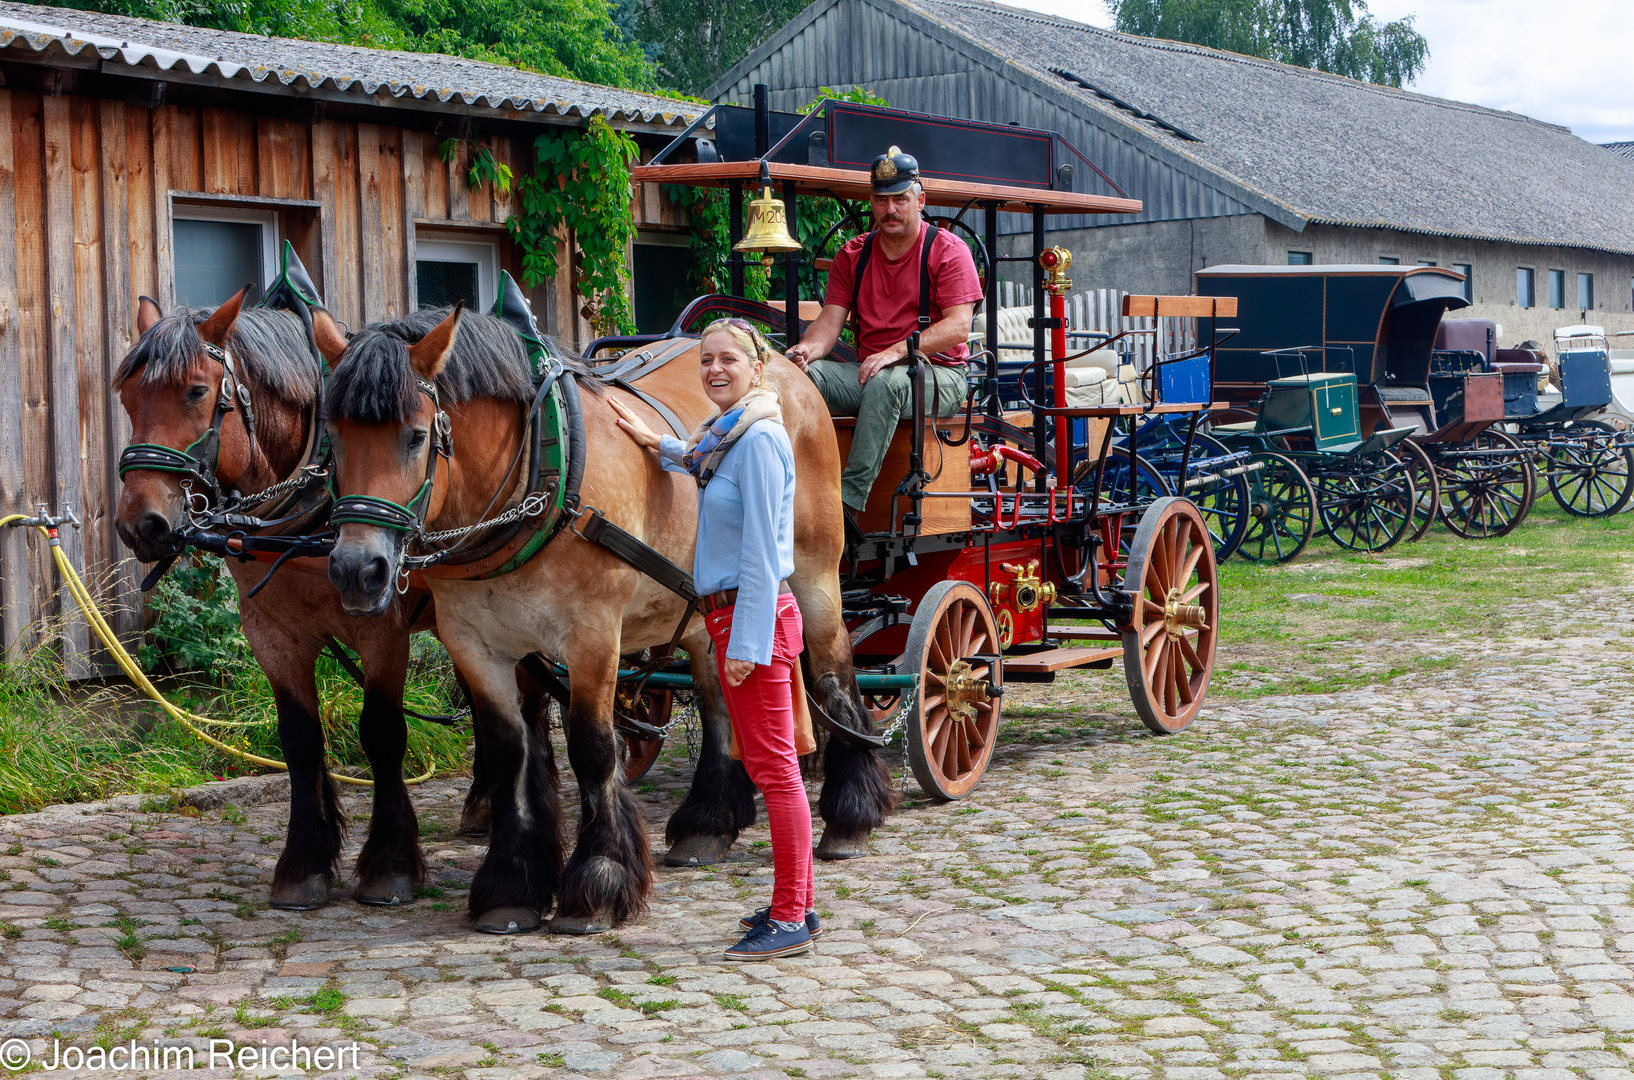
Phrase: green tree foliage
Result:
[575,39]
[1339,36]
[581,181]
[694,42]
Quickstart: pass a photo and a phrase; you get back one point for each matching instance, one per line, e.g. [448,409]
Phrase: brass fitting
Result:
[1056,261]
[1027,589]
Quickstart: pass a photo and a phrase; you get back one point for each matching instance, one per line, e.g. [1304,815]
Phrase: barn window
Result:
[1585,292]
[1468,270]
[1389,260]
[218,250]
[660,265]
[463,268]
[1557,289]
[1299,258]
[1525,294]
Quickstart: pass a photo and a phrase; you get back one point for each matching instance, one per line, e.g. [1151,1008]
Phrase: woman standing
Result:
[744,466]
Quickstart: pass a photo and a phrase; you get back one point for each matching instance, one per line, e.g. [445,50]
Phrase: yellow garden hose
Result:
[127,664]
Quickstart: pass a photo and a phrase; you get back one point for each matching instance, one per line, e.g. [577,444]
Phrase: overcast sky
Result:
[1564,61]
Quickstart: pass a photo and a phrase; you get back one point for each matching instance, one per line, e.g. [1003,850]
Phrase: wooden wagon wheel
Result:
[1487,497]
[954,719]
[1168,646]
[653,709]
[1426,489]
[1366,501]
[1593,477]
[1281,511]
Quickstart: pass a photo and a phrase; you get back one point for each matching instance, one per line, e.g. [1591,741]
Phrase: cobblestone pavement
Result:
[1427,879]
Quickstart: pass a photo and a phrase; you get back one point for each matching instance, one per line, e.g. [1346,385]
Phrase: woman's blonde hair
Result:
[748,338]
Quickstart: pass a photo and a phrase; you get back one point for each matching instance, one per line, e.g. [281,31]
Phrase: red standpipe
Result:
[1063,424]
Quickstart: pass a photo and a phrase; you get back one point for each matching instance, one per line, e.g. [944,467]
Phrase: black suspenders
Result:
[924,278]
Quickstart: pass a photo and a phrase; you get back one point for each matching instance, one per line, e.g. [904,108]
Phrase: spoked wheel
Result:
[1488,493]
[653,709]
[1366,501]
[1591,477]
[1281,510]
[1426,489]
[1168,646]
[954,721]
[1222,500]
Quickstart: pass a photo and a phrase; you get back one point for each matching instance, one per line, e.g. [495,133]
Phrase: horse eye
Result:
[196,394]
[417,440]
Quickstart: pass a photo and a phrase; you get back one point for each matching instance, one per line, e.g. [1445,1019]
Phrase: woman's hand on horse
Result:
[634,427]
[736,671]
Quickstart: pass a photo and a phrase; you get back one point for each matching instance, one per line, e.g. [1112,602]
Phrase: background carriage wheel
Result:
[1281,510]
[1223,500]
[1484,498]
[1426,489]
[1365,502]
[954,720]
[652,709]
[1168,646]
[1594,479]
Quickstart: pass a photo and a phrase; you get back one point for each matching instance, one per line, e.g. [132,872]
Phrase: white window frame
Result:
[266,217]
[441,247]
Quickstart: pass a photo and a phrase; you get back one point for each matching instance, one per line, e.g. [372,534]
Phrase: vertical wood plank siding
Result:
[855,43]
[85,197]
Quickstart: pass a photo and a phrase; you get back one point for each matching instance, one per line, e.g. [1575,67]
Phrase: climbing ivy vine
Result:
[580,187]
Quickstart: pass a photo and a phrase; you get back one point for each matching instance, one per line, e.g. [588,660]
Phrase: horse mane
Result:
[268,345]
[374,384]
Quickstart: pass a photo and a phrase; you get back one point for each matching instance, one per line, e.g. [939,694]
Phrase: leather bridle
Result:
[202,457]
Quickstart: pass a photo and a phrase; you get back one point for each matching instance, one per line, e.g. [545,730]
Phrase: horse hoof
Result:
[507,920]
[301,895]
[475,824]
[836,847]
[388,891]
[698,850]
[579,924]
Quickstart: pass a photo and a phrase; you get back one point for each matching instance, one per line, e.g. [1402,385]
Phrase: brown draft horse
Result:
[580,605]
[168,385]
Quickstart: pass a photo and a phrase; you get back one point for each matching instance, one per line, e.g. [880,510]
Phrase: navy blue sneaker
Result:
[768,941]
[749,922]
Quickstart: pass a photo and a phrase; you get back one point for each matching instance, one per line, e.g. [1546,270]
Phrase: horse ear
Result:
[147,313]
[216,328]
[427,355]
[331,342]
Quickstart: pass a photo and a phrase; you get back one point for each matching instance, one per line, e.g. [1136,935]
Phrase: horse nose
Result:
[358,572]
[149,532]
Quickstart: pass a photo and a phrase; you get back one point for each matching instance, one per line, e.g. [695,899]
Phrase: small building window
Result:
[1585,292]
[446,270]
[1557,289]
[661,264]
[1426,262]
[1299,258]
[1525,294]
[1389,260]
[1469,279]
[218,250]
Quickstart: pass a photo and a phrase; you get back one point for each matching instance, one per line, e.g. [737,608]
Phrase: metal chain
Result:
[307,474]
[535,504]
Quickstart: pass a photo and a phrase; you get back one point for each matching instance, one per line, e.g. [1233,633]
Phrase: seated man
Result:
[877,278]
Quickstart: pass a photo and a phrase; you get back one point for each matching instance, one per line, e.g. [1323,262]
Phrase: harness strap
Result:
[682,432]
[594,527]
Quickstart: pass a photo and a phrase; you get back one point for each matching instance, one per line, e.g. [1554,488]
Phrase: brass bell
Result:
[768,231]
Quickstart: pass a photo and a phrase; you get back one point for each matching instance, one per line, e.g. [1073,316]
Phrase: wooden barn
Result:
[147,158]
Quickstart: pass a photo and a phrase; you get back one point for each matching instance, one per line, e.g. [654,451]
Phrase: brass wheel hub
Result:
[1179,617]
[965,689]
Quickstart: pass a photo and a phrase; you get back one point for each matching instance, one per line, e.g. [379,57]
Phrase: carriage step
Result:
[1056,659]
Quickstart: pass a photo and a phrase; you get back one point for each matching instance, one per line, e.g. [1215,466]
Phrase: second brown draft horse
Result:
[440,384]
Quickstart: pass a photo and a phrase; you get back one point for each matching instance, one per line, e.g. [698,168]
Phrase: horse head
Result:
[389,431]
[172,387]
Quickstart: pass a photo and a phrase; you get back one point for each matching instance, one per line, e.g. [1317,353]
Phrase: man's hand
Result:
[737,670]
[879,362]
[800,354]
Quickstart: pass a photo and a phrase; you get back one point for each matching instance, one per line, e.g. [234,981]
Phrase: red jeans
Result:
[762,711]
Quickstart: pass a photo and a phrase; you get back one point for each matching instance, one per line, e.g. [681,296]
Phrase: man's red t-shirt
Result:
[888,303]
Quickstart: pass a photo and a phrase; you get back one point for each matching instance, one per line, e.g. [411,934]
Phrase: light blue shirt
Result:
[745,532]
